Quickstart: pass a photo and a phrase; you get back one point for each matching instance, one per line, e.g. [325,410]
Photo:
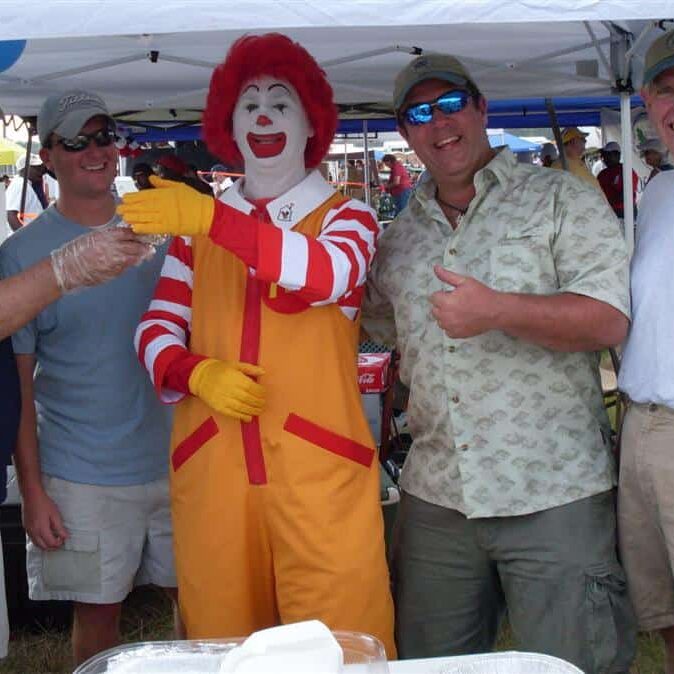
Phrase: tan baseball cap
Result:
[431,66]
[572,132]
[659,57]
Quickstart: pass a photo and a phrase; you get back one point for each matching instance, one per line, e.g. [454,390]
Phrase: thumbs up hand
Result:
[469,308]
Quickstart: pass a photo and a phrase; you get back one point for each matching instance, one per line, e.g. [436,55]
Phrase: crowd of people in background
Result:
[392,175]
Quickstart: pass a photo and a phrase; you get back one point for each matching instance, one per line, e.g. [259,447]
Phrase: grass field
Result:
[147,617]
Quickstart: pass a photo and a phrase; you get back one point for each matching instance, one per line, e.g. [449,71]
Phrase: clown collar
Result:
[286,210]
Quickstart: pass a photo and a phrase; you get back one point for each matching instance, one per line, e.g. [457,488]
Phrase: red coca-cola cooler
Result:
[373,372]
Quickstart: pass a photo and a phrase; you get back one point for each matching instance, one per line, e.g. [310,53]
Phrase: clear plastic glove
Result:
[97,256]
[228,388]
[172,208]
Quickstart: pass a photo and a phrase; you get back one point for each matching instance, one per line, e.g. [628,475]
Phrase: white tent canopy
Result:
[155,58]
[145,56]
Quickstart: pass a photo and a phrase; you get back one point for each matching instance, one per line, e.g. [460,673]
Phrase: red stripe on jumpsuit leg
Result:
[250,353]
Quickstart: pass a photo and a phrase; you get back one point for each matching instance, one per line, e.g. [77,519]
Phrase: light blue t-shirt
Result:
[99,419]
[647,365]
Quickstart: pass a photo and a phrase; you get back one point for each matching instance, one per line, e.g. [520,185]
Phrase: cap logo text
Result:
[74,99]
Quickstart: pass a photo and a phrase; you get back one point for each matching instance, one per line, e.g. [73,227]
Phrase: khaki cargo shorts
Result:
[646,512]
[119,537]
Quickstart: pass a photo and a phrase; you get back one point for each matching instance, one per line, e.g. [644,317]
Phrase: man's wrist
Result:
[504,309]
[31,488]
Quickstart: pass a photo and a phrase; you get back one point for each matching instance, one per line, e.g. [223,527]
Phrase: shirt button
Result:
[452,251]
[451,349]
[455,399]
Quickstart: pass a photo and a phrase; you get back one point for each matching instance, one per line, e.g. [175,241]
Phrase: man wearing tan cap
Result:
[646,490]
[574,141]
[499,283]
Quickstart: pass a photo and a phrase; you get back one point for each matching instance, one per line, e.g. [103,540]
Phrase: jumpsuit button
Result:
[451,349]
[455,399]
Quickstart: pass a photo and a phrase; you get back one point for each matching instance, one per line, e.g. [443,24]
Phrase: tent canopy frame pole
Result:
[622,50]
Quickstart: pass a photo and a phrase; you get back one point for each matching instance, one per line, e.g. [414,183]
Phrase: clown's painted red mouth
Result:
[266,144]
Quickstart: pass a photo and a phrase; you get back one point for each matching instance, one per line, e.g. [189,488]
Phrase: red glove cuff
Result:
[178,373]
[236,232]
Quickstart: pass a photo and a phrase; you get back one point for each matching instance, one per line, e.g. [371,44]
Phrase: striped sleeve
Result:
[329,268]
[163,333]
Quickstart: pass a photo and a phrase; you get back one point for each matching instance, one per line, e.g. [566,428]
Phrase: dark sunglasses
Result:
[448,104]
[102,138]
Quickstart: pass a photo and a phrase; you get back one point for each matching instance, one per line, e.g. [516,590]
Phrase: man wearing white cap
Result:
[611,179]
[34,204]
[646,488]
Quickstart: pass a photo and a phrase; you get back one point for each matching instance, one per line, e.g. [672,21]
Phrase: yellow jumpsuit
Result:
[278,520]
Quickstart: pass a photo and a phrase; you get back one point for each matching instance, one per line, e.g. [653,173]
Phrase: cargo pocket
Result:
[611,618]
[329,440]
[75,566]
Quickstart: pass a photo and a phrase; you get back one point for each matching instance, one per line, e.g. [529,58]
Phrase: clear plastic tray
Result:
[363,654]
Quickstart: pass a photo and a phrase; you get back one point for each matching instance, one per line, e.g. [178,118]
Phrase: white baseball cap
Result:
[21,161]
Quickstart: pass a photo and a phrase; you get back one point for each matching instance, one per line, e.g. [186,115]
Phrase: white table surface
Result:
[425,666]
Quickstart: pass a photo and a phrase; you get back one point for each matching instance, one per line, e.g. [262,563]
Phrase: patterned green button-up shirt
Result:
[500,426]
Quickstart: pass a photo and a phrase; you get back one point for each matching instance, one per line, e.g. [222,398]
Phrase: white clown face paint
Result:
[271,130]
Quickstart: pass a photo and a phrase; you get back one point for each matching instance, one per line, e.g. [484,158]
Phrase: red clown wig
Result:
[274,55]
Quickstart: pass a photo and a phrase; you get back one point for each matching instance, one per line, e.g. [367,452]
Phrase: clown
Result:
[253,332]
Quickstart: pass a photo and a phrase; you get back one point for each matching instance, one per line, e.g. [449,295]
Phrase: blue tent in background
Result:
[515,143]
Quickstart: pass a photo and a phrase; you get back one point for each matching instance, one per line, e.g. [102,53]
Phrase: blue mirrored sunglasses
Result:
[102,138]
[448,103]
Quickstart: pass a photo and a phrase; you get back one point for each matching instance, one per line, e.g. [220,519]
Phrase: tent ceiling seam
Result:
[90,68]
[597,45]
[413,51]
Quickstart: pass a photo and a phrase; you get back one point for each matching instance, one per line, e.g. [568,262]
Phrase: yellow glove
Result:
[171,208]
[228,387]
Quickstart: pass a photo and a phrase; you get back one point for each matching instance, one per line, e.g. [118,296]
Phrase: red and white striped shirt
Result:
[330,268]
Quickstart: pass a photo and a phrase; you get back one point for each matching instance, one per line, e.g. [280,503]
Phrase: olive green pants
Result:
[555,572]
